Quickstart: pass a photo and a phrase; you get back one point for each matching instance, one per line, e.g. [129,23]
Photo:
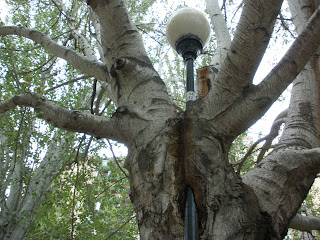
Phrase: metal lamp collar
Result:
[189,47]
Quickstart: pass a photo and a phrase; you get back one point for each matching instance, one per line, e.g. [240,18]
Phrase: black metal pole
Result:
[191,213]
[189,47]
[191,217]
[190,81]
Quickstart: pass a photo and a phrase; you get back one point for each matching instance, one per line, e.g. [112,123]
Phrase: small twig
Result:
[105,107]
[41,66]
[106,188]
[274,132]
[66,83]
[245,157]
[225,10]
[238,8]
[120,227]
[153,38]
[285,26]
[115,159]
[93,95]
[75,186]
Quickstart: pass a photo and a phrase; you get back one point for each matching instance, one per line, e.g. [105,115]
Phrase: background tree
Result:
[168,149]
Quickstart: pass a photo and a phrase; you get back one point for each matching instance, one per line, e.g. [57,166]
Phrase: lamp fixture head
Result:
[188,31]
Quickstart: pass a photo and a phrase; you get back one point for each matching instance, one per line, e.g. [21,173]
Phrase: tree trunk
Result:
[170,151]
[190,153]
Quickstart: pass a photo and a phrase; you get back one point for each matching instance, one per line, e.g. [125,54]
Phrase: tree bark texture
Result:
[169,151]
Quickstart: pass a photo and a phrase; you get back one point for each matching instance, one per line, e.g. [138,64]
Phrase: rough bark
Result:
[170,151]
[221,31]
[246,50]
[74,121]
[305,223]
[257,99]
[86,65]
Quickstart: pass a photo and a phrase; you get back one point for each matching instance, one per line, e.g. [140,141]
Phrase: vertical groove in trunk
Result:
[191,153]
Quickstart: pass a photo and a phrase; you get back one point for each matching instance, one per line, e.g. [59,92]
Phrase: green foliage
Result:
[70,208]
[238,151]
[92,198]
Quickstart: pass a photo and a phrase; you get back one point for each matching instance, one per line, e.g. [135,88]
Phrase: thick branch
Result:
[62,118]
[259,98]
[305,223]
[294,60]
[120,36]
[79,37]
[247,48]
[281,182]
[137,85]
[221,31]
[90,67]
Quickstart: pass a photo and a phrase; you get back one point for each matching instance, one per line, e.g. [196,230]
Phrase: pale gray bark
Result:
[86,65]
[134,81]
[15,223]
[301,10]
[86,47]
[281,182]
[289,171]
[16,174]
[305,223]
[258,99]
[124,50]
[96,23]
[246,50]
[221,31]
[73,121]
[169,151]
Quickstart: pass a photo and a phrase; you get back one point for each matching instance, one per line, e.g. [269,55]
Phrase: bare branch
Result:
[247,48]
[84,64]
[259,98]
[305,223]
[62,118]
[221,30]
[285,25]
[274,132]
[66,83]
[79,37]
[280,119]
[125,223]
[115,159]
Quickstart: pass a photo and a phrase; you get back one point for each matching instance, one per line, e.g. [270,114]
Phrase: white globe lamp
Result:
[188,32]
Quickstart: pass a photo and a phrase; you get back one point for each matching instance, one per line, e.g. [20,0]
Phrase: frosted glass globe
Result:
[188,21]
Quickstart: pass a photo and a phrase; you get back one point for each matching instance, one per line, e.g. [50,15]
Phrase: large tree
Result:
[169,149]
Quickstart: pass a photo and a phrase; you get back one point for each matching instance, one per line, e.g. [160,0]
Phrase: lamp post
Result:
[188,31]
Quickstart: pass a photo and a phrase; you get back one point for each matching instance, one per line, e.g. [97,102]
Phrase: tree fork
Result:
[222,196]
